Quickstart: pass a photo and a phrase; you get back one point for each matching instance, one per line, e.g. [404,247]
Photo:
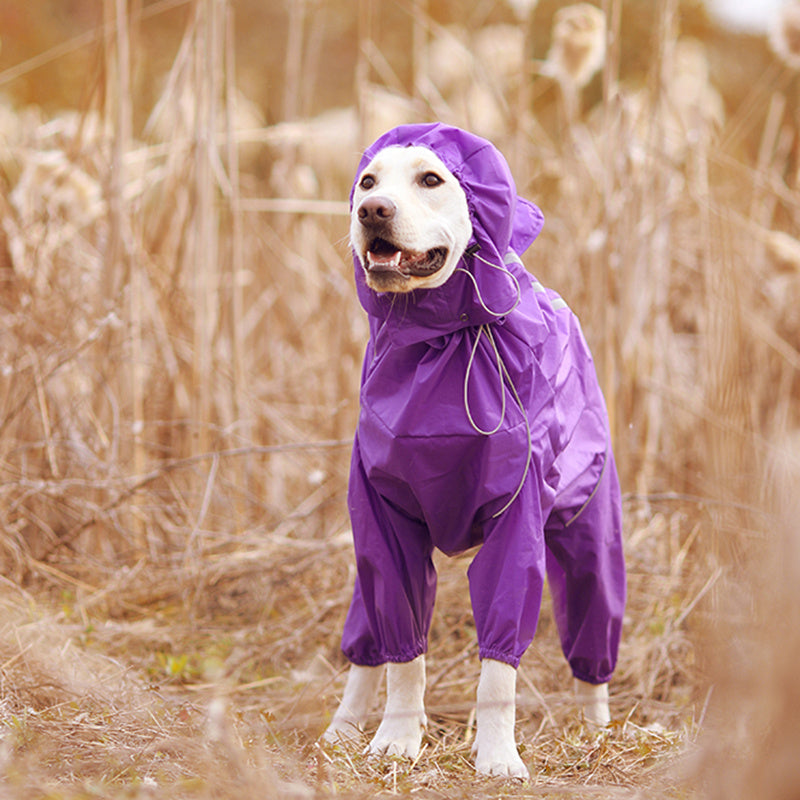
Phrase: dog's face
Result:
[410,222]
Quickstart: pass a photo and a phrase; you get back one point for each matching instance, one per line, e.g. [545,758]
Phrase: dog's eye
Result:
[430,179]
[367,182]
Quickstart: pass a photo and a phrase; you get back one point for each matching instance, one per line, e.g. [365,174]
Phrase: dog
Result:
[481,425]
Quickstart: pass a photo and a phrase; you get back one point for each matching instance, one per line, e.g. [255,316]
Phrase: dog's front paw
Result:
[341,729]
[398,736]
[499,759]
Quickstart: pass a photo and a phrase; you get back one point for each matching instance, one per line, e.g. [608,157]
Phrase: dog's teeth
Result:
[384,261]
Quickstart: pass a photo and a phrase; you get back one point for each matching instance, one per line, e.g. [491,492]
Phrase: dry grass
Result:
[180,347]
[211,683]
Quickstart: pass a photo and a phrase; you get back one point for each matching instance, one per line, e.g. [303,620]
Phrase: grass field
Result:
[180,348]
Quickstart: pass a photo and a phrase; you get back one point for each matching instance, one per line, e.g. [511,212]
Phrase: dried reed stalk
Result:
[522,117]
[120,267]
[45,417]
[419,52]
[241,410]
[293,79]
[605,280]
[764,202]
[732,456]
[118,106]
[362,72]
[207,69]
[659,253]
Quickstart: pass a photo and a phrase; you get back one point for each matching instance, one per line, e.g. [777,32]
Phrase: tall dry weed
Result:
[750,744]
[131,346]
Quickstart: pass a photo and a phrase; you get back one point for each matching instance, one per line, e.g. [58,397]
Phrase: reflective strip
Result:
[512,258]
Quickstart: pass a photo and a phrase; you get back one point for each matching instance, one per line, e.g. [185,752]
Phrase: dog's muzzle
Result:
[382,255]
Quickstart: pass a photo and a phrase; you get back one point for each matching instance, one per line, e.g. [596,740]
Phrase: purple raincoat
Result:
[482,423]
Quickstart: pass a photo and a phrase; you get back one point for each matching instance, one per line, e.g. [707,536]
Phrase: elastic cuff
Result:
[498,655]
[593,679]
[403,657]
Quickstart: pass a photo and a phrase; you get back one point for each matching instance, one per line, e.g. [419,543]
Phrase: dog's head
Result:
[410,221]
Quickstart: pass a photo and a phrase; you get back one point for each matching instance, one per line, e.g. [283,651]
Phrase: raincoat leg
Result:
[506,580]
[586,575]
[392,605]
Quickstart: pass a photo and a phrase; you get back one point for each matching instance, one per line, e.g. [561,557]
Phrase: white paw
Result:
[354,710]
[398,736]
[495,749]
[341,730]
[593,702]
[597,715]
[499,759]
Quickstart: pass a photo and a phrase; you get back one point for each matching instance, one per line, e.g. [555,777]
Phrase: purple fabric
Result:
[422,477]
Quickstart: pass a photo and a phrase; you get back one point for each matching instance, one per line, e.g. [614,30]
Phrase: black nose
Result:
[376,210]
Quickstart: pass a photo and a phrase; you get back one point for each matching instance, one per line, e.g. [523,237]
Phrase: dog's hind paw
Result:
[593,702]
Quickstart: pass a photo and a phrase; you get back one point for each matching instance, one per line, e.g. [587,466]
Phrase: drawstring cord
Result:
[497,314]
[502,373]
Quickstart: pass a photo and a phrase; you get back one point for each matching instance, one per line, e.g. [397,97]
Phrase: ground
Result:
[216,677]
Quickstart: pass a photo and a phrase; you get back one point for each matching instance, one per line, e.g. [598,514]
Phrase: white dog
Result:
[411,227]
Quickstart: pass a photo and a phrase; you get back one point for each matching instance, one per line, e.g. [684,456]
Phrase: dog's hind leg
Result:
[400,731]
[586,574]
[495,747]
[360,694]
[593,702]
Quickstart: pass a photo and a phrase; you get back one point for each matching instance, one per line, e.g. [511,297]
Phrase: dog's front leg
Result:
[400,731]
[360,693]
[495,747]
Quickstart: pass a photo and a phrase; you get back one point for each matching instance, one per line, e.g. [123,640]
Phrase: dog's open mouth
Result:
[384,257]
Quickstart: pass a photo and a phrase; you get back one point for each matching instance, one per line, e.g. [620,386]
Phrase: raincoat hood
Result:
[501,221]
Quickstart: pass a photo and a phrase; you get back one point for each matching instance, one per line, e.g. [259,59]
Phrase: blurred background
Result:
[180,349]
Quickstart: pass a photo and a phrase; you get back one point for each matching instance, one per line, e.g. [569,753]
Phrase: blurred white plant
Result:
[499,50]
[55,204]
[784,34]
[695,108]
[473,75]
[784,247]
[450,61]
[577,51]
[522,8]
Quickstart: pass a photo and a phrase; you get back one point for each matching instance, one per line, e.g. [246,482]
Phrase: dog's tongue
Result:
[384,261]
